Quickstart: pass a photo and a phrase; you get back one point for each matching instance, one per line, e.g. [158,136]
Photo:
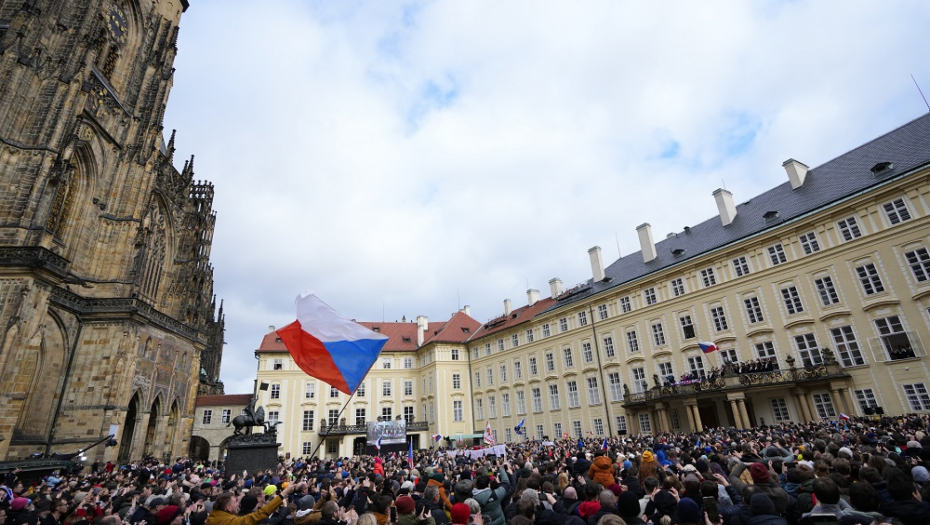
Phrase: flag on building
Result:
[604,444]
[708,347]
[410,455]
[437,437]
[844,417]
[590,433]
[488,435]
[378,444]
[329,347]
[519,428]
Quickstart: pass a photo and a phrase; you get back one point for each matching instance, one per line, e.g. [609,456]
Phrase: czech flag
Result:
[436,438]
[708,347]
[844,417]
[604,444]
[410,455]
[329,347]
[378,443]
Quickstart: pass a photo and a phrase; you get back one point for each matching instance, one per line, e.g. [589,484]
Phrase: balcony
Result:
[830,369]
[344,430]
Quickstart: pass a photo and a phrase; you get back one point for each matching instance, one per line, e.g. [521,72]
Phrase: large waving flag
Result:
[378,443]
[410,455]
[329,347]
[519,428]
[604,445]
[708,347]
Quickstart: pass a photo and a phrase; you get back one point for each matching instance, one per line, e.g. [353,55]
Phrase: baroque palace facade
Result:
[828,274]
[106,289]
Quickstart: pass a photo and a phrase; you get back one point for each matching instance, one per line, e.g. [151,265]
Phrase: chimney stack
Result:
[466,310]
[422,327]
[725,206]
[532,296]
[507,307]
[270,329]
[555,287]
[797,171]
[646,243]
[597,263]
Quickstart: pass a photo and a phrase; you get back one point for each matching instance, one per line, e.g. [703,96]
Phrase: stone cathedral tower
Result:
[107,313]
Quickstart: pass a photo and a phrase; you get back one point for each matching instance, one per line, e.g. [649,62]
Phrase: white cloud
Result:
[412,158]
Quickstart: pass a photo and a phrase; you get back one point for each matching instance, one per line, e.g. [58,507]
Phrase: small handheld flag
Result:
[378,443]
[410,455]
[437,437]
[519,428]
[329,347]
[708,347]
[844,416]
[604,444]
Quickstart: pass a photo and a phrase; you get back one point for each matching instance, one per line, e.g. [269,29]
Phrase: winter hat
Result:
[759,473]
[460,514]
[305,503]
[628,505]
[920,474]
[270,490]
[42,504]
[761,504]
[248,503]
[438,477]
[793,476]
[627,464]
[19,503]
[616,489]
[647,456]
[405,505]
[688,511]
[167,514]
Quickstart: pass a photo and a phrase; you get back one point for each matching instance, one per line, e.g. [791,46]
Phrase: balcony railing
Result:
[342,430]
[738,382]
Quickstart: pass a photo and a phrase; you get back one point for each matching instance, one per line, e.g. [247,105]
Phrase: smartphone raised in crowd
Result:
[710,507]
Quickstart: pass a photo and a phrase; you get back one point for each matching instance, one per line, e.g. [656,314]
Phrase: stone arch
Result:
[74,186]
[36,376]
[174,421]
[133,411]
[151,431]
[157,240]
[199,448]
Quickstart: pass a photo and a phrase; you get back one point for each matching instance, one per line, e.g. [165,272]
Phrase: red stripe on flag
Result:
[311,356]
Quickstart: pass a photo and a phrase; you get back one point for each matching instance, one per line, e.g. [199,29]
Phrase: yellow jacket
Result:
[221,517]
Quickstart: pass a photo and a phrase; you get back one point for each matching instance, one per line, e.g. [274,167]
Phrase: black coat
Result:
[910,512]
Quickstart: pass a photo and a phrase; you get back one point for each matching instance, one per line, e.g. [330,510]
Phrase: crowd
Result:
[858,472]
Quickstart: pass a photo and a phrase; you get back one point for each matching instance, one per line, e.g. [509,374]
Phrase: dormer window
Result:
[406,339]
[678,252]
[882,168]
[770,215]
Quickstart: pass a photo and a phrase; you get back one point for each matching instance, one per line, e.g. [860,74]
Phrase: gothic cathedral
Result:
[107,312]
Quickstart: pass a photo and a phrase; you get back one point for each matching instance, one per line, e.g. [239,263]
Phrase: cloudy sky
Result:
[409,158]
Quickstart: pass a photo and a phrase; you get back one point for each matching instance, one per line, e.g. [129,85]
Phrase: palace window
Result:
[310,391]
[386,363]
[616,386]
[780,409]
[602,311]
[227,414]
[599,426]
[275,391]
[537,400]
[576,427]
[644,424]
[533,368]
[582,318]
[639,380]
[386,388]
[849,228]
[207,417]
[503,373]
[792,300]
[545,330]
[455,354]
[457,412]
[518,369]
[740,266]
[609,346]
[555,402]
[707,276]
[649,294]
[586,352]
[824,405]
[574,400]
[563,325]
[809,243]
[919,261]
[894,339]
[719,318]
[826,290]
[896,211]
[658,334]
[408,388]
[521,402]
[766,350]
[625,305]
[529,335]
[846,346]
[594,391]
[492,407]
[307,421]
[632,341]
[687,327]
[456,381]
[621,424]
[753,310]
[917,396]
[777,254]
[359,416]
[808,350]
[866,399]
[678,287]
[569,360]
[505,405]
[550,362]
[696,364]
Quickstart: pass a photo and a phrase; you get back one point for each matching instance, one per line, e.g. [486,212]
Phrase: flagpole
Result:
[320,443]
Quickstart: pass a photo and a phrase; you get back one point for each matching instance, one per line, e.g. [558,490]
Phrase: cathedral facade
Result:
[107,315]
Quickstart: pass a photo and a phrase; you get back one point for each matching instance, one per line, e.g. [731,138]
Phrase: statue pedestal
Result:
[251,457]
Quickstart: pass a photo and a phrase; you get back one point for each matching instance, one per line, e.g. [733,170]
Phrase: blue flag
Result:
[519,428]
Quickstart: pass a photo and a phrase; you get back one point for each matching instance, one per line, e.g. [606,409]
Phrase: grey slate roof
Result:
[907,147]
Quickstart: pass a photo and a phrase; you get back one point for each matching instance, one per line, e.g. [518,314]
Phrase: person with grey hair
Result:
[433,505]
[474,506]
[608,502]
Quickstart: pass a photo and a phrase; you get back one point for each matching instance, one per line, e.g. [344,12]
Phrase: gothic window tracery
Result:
[155,226]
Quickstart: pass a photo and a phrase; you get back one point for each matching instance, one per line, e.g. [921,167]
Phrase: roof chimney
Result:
[797,171]
[532,296]
[555,287]
[645,241]
[725,206]
[507,307]
[422,327]
[597,263]
[270,328]
[466,310]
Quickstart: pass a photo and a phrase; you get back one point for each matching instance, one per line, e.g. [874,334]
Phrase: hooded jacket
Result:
[221,517]
[602,471]
[490,500]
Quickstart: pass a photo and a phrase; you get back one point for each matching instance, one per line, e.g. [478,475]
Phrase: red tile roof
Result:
[518,316]
[402,337]
[230,400]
